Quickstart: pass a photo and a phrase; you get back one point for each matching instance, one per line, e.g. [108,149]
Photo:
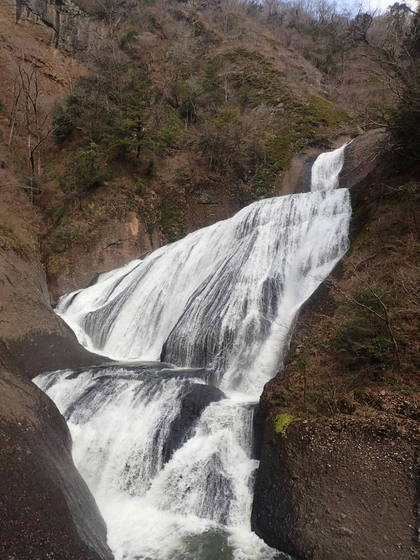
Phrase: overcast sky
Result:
[373,4]
[383,4]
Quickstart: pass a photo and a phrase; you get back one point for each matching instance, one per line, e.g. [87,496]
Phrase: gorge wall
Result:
[349,456]
[338,487]
[339,460]
[32,337]
[46,508]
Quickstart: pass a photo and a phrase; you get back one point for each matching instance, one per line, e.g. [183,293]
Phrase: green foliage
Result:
[243,121]
[362,339]
[211,85]
[315,120]
[85,174]
[361,346]
[150,170]
[321,111]
[64,121]
[316,398]
[372,298]
[114,119]
[263,183]
[126,40]
[281,148]
[59,213]
[303,362]
[172,131]
[140,186]
[219,143]
[187,98]
[405,129]
[172,222]
[282,422]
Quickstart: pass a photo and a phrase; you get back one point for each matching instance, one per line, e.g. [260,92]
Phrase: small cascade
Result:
[326,169]
[164,437]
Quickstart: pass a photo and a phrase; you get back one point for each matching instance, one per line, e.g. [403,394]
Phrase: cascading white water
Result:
[326,169]
[167,450]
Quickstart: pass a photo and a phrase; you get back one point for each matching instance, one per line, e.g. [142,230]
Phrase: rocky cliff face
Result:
[46,510]
[33,339]
[117,243]
[361,162]
[69,26]
[338,487]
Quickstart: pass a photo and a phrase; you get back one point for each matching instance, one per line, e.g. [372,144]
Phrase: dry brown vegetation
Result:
[184,112]
[358,353]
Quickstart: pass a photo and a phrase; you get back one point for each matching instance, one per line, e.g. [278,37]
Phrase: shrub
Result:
[172,222]
[282,422]
[115,120]
[263,183]
[126,40]
[85,174]
[172,132]
[360,346]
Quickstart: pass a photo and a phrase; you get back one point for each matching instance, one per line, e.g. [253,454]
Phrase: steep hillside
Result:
[178,116]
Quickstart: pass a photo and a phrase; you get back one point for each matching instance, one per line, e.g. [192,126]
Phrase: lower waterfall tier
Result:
[167,457]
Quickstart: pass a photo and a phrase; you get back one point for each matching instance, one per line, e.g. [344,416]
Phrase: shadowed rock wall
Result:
[46,509]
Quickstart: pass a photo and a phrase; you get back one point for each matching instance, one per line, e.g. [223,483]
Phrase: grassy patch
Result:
[172,219]
[282,422]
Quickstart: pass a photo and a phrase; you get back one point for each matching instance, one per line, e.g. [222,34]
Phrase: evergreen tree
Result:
[405,121]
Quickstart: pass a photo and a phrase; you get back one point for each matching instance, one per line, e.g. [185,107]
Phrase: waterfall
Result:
[327,168]
[163,437]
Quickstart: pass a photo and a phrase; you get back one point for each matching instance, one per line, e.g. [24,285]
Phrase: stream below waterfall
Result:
[163,436]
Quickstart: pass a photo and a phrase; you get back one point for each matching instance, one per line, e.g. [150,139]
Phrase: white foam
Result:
[224,298]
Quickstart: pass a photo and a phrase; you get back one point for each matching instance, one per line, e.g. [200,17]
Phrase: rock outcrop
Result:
[362,157]
[46,509]
[337,488]
[32,338]
[69,25]
[117,243]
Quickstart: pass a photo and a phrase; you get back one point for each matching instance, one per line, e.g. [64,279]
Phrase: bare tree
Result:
[383,315]
[17,92]
[29,116]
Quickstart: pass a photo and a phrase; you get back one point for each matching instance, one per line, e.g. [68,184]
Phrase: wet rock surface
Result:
[192,405]
[46,509]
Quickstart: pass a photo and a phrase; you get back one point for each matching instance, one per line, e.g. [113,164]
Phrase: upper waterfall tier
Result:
[223,297]
[326,169]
